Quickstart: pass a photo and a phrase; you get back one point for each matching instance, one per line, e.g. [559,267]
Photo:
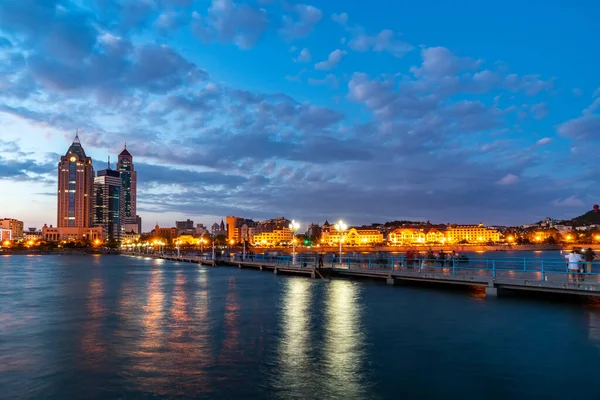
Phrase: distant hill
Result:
[589,218]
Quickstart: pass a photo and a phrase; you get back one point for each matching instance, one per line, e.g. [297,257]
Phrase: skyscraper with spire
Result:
[75,188]
[129,186]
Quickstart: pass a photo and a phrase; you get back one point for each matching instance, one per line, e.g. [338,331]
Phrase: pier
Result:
[495,276]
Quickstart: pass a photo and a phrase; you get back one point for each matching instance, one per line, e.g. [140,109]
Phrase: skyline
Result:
[317,110]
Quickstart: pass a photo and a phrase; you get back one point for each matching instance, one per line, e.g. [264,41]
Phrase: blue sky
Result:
[460,111]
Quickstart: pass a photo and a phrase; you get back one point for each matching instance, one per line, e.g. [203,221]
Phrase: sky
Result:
[463,111]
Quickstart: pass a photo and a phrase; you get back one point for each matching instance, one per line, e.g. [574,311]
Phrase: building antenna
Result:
[108,162]
[125,145]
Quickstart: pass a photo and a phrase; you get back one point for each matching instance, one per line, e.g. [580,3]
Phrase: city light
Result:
[294,226]
[341,227]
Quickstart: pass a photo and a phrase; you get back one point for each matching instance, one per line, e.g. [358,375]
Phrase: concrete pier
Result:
[492,281]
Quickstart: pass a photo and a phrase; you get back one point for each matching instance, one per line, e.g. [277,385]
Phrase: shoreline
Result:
[323,249]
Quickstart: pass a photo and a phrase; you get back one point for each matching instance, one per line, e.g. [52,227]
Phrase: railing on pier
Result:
[518,268]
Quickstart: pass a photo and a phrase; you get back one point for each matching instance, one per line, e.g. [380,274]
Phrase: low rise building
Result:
[15,226]
[351,237]
[55,234]
[273,238]
[471,234]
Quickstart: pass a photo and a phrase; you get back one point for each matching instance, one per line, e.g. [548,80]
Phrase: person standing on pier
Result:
[320,264]
[573,260]
[442,258]
[589,258]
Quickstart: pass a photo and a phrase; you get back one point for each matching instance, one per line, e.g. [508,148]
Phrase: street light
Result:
[294,226]
[341,227]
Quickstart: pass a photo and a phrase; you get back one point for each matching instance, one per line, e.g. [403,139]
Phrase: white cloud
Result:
[596,93]
[509,179]
[577,92]
[340,18]
[332,60]
[383,41]
[543,141]
[304,56]
[568,202]
[300,23]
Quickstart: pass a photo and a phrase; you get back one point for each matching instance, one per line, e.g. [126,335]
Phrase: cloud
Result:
[577,92]
[509,179]
[596,93]
[571,201]
[543,141]
[384,41]
[300,22]
[231,22]
[440,62]
[304,56]
[332,60]
[341,19]
[584,128]
[539,110]
[531,85]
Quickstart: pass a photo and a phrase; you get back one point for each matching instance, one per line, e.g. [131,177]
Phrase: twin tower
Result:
[93,207]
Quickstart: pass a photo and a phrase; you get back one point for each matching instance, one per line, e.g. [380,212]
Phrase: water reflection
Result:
[344,341]
[230,349]
[93,346]
[294,357]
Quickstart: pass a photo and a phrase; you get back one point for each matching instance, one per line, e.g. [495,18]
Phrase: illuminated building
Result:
[402,236]
[273,238]
[15,226]
[237,228]
[167,233]
[5,235]
[471,234]
[108,203]
[32,234]
[128,187]
[433,235]
[188,240]
[54,234]
[75,188]
[351,237]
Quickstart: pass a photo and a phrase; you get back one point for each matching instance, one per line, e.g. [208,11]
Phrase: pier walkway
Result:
[532,275]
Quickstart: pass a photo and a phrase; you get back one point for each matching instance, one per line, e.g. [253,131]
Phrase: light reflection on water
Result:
[344,341]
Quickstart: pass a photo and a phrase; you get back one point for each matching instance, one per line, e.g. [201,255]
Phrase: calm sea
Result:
[118,327]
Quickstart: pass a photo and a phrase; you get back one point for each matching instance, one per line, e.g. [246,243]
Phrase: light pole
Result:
[177,247]
[213,246]
[341,227]
[294,226]
[244,251]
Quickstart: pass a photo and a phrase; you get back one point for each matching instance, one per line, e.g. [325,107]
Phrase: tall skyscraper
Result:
[108,203]
[129,186]
[75,188]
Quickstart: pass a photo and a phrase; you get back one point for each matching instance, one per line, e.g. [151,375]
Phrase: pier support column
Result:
[260,268]
[313,274]
[390,281]
[275,271]
[491,291]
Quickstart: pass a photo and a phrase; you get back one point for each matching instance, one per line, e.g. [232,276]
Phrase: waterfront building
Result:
[237,228]
[55,234]
[138,221]
[5,235]
[32,234]
[272,231]
[128,176]
[219,229]
[15,226]
[402,236]
[130,237]
[108,204]
[201,229]
[185,227]
[188,240]
[352,237]
[165,233]
[75,188]
[434,236]
[273,238]
[131,228]
[471,234]
[314,232]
